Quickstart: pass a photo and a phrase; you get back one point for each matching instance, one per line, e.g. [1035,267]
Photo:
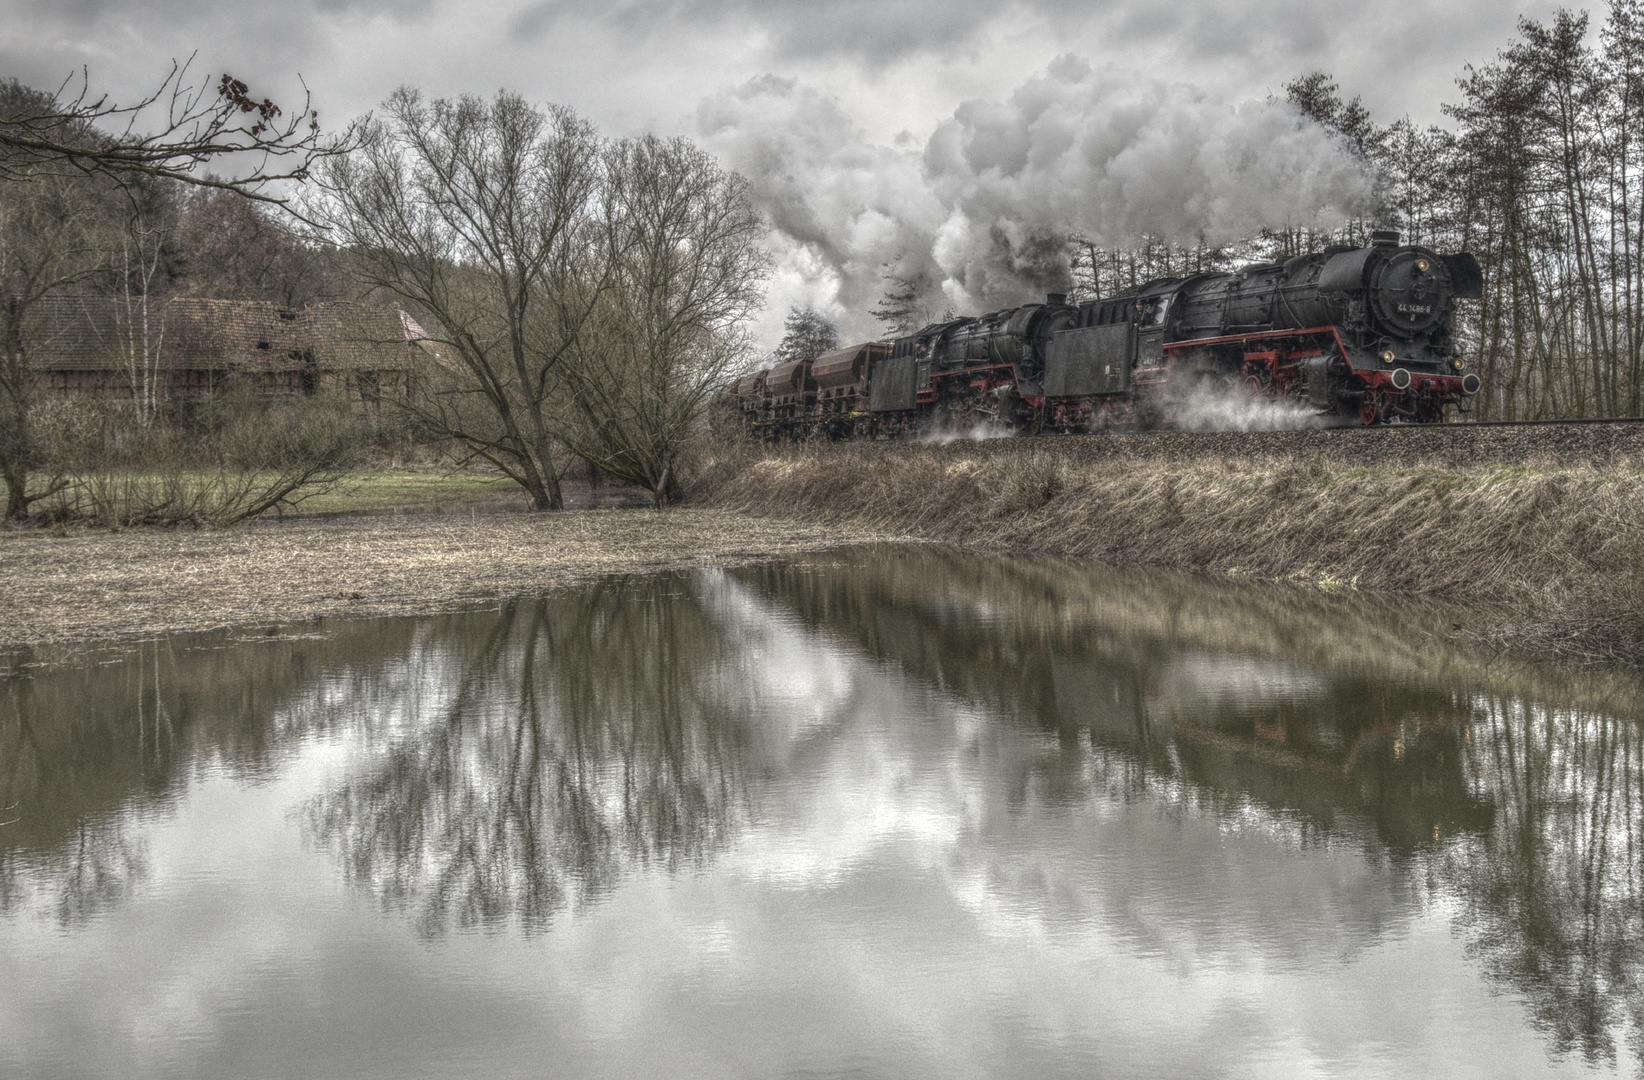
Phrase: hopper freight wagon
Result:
[1351,335]
[827,397]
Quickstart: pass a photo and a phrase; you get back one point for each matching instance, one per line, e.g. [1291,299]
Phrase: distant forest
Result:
[1540,173]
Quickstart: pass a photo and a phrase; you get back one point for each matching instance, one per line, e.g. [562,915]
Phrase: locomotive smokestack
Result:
[1056,299]
[1384,238]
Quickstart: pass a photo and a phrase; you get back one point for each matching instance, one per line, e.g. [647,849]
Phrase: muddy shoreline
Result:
[1545,525]
[102,586]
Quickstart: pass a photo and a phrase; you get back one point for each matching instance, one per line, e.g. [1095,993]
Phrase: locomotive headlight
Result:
[1422,266]
[1458,363]
[1387,356]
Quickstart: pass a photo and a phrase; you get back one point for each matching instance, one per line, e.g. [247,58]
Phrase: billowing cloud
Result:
[981,212]
[844,210]
[629,64]
[1112,157]
[880,68]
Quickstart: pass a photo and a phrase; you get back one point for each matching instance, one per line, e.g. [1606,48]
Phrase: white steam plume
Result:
[841,208]
[1205,406]
[982,210]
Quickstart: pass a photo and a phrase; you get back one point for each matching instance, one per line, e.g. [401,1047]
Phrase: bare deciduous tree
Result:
[48,240]
[686,273]
[138,292]
[479,216]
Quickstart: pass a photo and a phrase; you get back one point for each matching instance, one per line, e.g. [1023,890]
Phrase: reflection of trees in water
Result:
[528,757]
[101,867]
[1552,890]
[76,865]
[587,732]
[531,754]
[87,750]
[1527,811]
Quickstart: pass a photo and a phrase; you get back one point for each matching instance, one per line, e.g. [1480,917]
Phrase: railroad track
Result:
[1616,421]
[1603,436]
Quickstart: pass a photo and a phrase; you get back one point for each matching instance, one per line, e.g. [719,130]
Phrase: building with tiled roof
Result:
[83,345]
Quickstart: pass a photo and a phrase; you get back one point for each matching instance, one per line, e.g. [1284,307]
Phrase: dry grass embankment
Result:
[1553,526]
[98,584]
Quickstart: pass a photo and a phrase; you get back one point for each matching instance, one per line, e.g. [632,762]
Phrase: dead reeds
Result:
[1561,540]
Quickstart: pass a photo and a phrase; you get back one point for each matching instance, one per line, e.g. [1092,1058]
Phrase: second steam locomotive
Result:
[1349,335]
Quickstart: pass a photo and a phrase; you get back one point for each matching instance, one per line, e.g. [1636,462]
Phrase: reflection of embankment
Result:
[1525,807]
[1192,682]
[1561,537]
[1379,637]
[584,735]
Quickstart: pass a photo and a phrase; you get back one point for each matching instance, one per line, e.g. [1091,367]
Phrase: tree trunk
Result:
[16,447]
[552,498]
[17,506]
[666,490]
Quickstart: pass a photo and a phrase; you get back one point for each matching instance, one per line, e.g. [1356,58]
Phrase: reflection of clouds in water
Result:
[800,855]
[796,679]
[848,732]
[916,784]
[1207,680]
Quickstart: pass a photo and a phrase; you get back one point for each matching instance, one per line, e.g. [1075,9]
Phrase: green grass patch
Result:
[391,489]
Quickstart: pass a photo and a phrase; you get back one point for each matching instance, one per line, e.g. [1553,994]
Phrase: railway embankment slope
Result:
[1547,520]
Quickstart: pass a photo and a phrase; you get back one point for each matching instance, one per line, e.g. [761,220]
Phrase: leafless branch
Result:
[176,132]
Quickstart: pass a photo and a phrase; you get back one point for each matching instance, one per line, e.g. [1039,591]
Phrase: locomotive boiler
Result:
[1350,335]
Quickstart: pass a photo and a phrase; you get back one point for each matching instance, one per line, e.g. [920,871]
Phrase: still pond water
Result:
[899,813]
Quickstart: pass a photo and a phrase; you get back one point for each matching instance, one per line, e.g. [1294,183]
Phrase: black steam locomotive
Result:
[1350,335]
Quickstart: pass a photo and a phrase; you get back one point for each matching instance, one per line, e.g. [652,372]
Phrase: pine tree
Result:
[900,308]
[808,334]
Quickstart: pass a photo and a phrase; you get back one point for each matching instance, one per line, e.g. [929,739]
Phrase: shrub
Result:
[223,460]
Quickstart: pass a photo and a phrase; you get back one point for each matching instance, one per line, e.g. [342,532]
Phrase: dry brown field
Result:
[93,584]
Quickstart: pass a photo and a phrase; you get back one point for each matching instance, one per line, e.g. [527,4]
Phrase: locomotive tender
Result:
[1352,335]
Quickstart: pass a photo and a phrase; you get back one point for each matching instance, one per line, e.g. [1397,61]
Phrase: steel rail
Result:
[1616,420]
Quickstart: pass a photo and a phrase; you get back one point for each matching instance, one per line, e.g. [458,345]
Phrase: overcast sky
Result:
[644,64]
[836,107]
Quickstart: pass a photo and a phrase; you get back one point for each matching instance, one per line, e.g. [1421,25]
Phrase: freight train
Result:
[1346,335]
